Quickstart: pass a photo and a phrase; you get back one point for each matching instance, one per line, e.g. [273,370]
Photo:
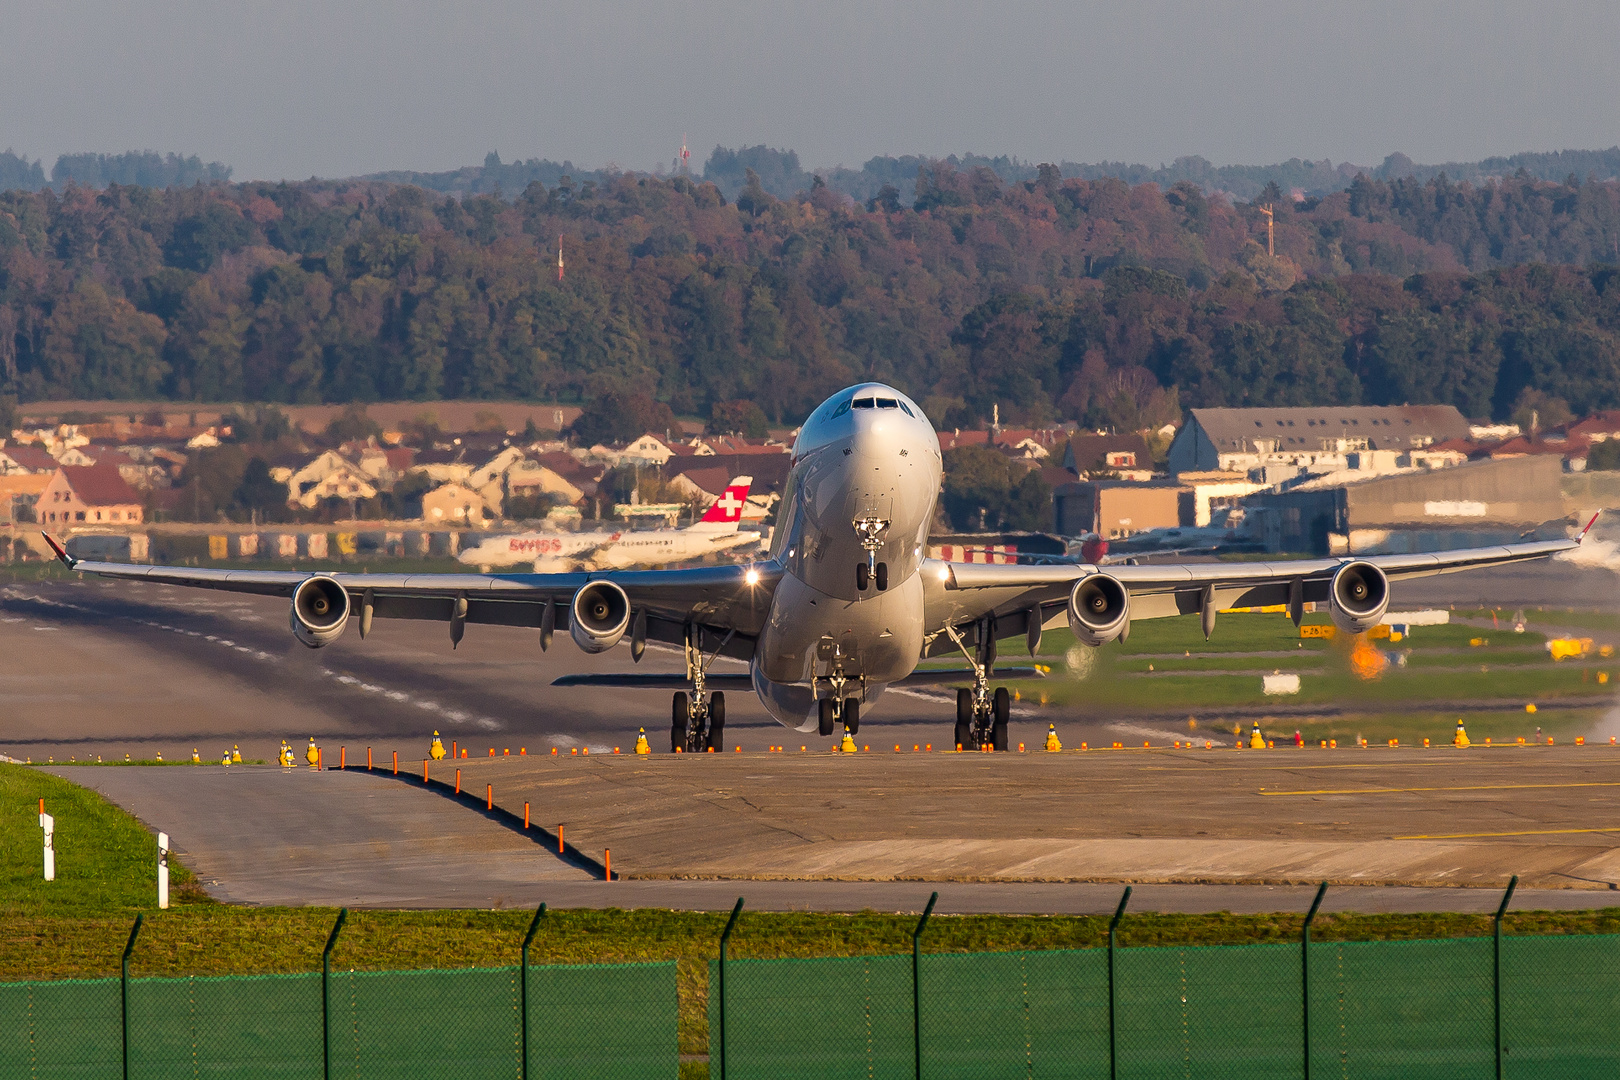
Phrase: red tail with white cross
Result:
[725,513]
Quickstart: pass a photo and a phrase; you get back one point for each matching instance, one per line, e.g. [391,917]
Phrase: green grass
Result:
[106,861]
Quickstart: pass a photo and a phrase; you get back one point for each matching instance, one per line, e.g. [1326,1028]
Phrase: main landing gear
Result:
[981,716]
[698,719]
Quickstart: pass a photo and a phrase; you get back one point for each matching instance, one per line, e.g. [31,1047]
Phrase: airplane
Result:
[846,603]
[717,530]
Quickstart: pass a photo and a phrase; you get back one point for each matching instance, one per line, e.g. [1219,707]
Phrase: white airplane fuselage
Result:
[860,472]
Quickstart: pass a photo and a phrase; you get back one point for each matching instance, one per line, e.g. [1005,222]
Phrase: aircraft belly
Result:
[880,636]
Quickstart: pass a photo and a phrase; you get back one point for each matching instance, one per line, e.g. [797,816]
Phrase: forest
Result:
[1052,297]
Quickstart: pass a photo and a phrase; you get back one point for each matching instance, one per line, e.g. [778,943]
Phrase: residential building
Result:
[1114,509]
[454,504]
[88,495]
[329,476]
[1125,456]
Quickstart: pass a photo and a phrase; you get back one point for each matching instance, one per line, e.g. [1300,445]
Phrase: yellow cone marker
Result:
[195,759]
[848,745]
[236,755]
[1461,738]
[436,748]
[1257,741]
[641,742]
[313,754]
[1052,743]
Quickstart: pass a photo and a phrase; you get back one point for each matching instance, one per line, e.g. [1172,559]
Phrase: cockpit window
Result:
[887,403]
[863,403]
[905,410]
[841,410]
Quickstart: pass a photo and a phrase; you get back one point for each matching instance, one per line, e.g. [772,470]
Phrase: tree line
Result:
[1053,297]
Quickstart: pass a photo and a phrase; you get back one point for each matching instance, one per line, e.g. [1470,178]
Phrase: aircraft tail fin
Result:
[725,513]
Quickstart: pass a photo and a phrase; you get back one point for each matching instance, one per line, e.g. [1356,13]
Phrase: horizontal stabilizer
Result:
[654,681]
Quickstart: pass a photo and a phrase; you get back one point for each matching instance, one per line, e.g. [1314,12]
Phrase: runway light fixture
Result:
[751,578]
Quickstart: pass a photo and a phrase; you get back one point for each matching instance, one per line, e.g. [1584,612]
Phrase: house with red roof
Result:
[88,495]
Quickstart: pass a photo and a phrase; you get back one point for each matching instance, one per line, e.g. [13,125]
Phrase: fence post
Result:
[326,974]
[1496,965]
[1305,975]
[916,980]
[1113,924]
[523,991]
[725,938]
[123,988]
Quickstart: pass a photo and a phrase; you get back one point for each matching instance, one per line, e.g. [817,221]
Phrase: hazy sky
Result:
[295,88]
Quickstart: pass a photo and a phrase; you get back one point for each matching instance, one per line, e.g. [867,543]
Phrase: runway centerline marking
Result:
[1527,832]
[1469,787]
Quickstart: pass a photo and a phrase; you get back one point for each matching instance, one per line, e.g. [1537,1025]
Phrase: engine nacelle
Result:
[1099,609]
[599,616]
[320,611]
[1358,597]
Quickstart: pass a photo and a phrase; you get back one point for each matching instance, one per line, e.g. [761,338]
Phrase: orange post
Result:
[424,770]
[489,796]
[458,781]
[396,762]
[525,815]
[343,757]
[318,765]
[453,752]
[368,759]
[607,862]
[42,805]
[559,840]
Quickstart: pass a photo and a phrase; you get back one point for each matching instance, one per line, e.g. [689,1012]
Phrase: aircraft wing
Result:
[730,599]
[961,594]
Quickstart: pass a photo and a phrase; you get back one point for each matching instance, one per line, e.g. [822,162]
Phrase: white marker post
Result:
[163,870]
[48,823]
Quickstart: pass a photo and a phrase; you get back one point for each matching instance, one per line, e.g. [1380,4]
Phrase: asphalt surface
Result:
[261,835]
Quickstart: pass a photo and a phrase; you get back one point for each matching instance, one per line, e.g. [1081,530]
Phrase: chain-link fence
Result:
[1543,1007]
[597,1022]
[1390,1010]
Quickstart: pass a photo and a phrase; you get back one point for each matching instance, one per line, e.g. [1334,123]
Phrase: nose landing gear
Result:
[837,707]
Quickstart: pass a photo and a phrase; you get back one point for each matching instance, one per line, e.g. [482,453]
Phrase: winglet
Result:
[61,552]
[1588,528]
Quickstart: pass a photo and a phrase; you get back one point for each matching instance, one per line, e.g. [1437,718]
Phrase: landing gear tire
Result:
[717,721]
[680,716]
[882,576]
[964,736]
[1000,711]
[852,715]
[964,720]
[863,577]
[825,717]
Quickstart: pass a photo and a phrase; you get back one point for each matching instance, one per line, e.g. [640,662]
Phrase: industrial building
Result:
[1484,502]
[1314,438]
[1114,509]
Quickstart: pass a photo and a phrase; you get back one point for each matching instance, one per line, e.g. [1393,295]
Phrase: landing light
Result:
[944,573]
[751,577]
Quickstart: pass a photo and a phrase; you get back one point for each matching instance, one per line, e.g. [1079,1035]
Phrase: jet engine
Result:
[1359,596]
[599,616]
[1099,609]
[320,611]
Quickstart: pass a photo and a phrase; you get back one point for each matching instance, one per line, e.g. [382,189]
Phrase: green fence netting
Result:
[69,1028]
[1560,1006]
[816,1019]
[1039,1014]
[1413,1010]
[1210,1011]
[265,1026]
[597,1022]
[602,1022]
